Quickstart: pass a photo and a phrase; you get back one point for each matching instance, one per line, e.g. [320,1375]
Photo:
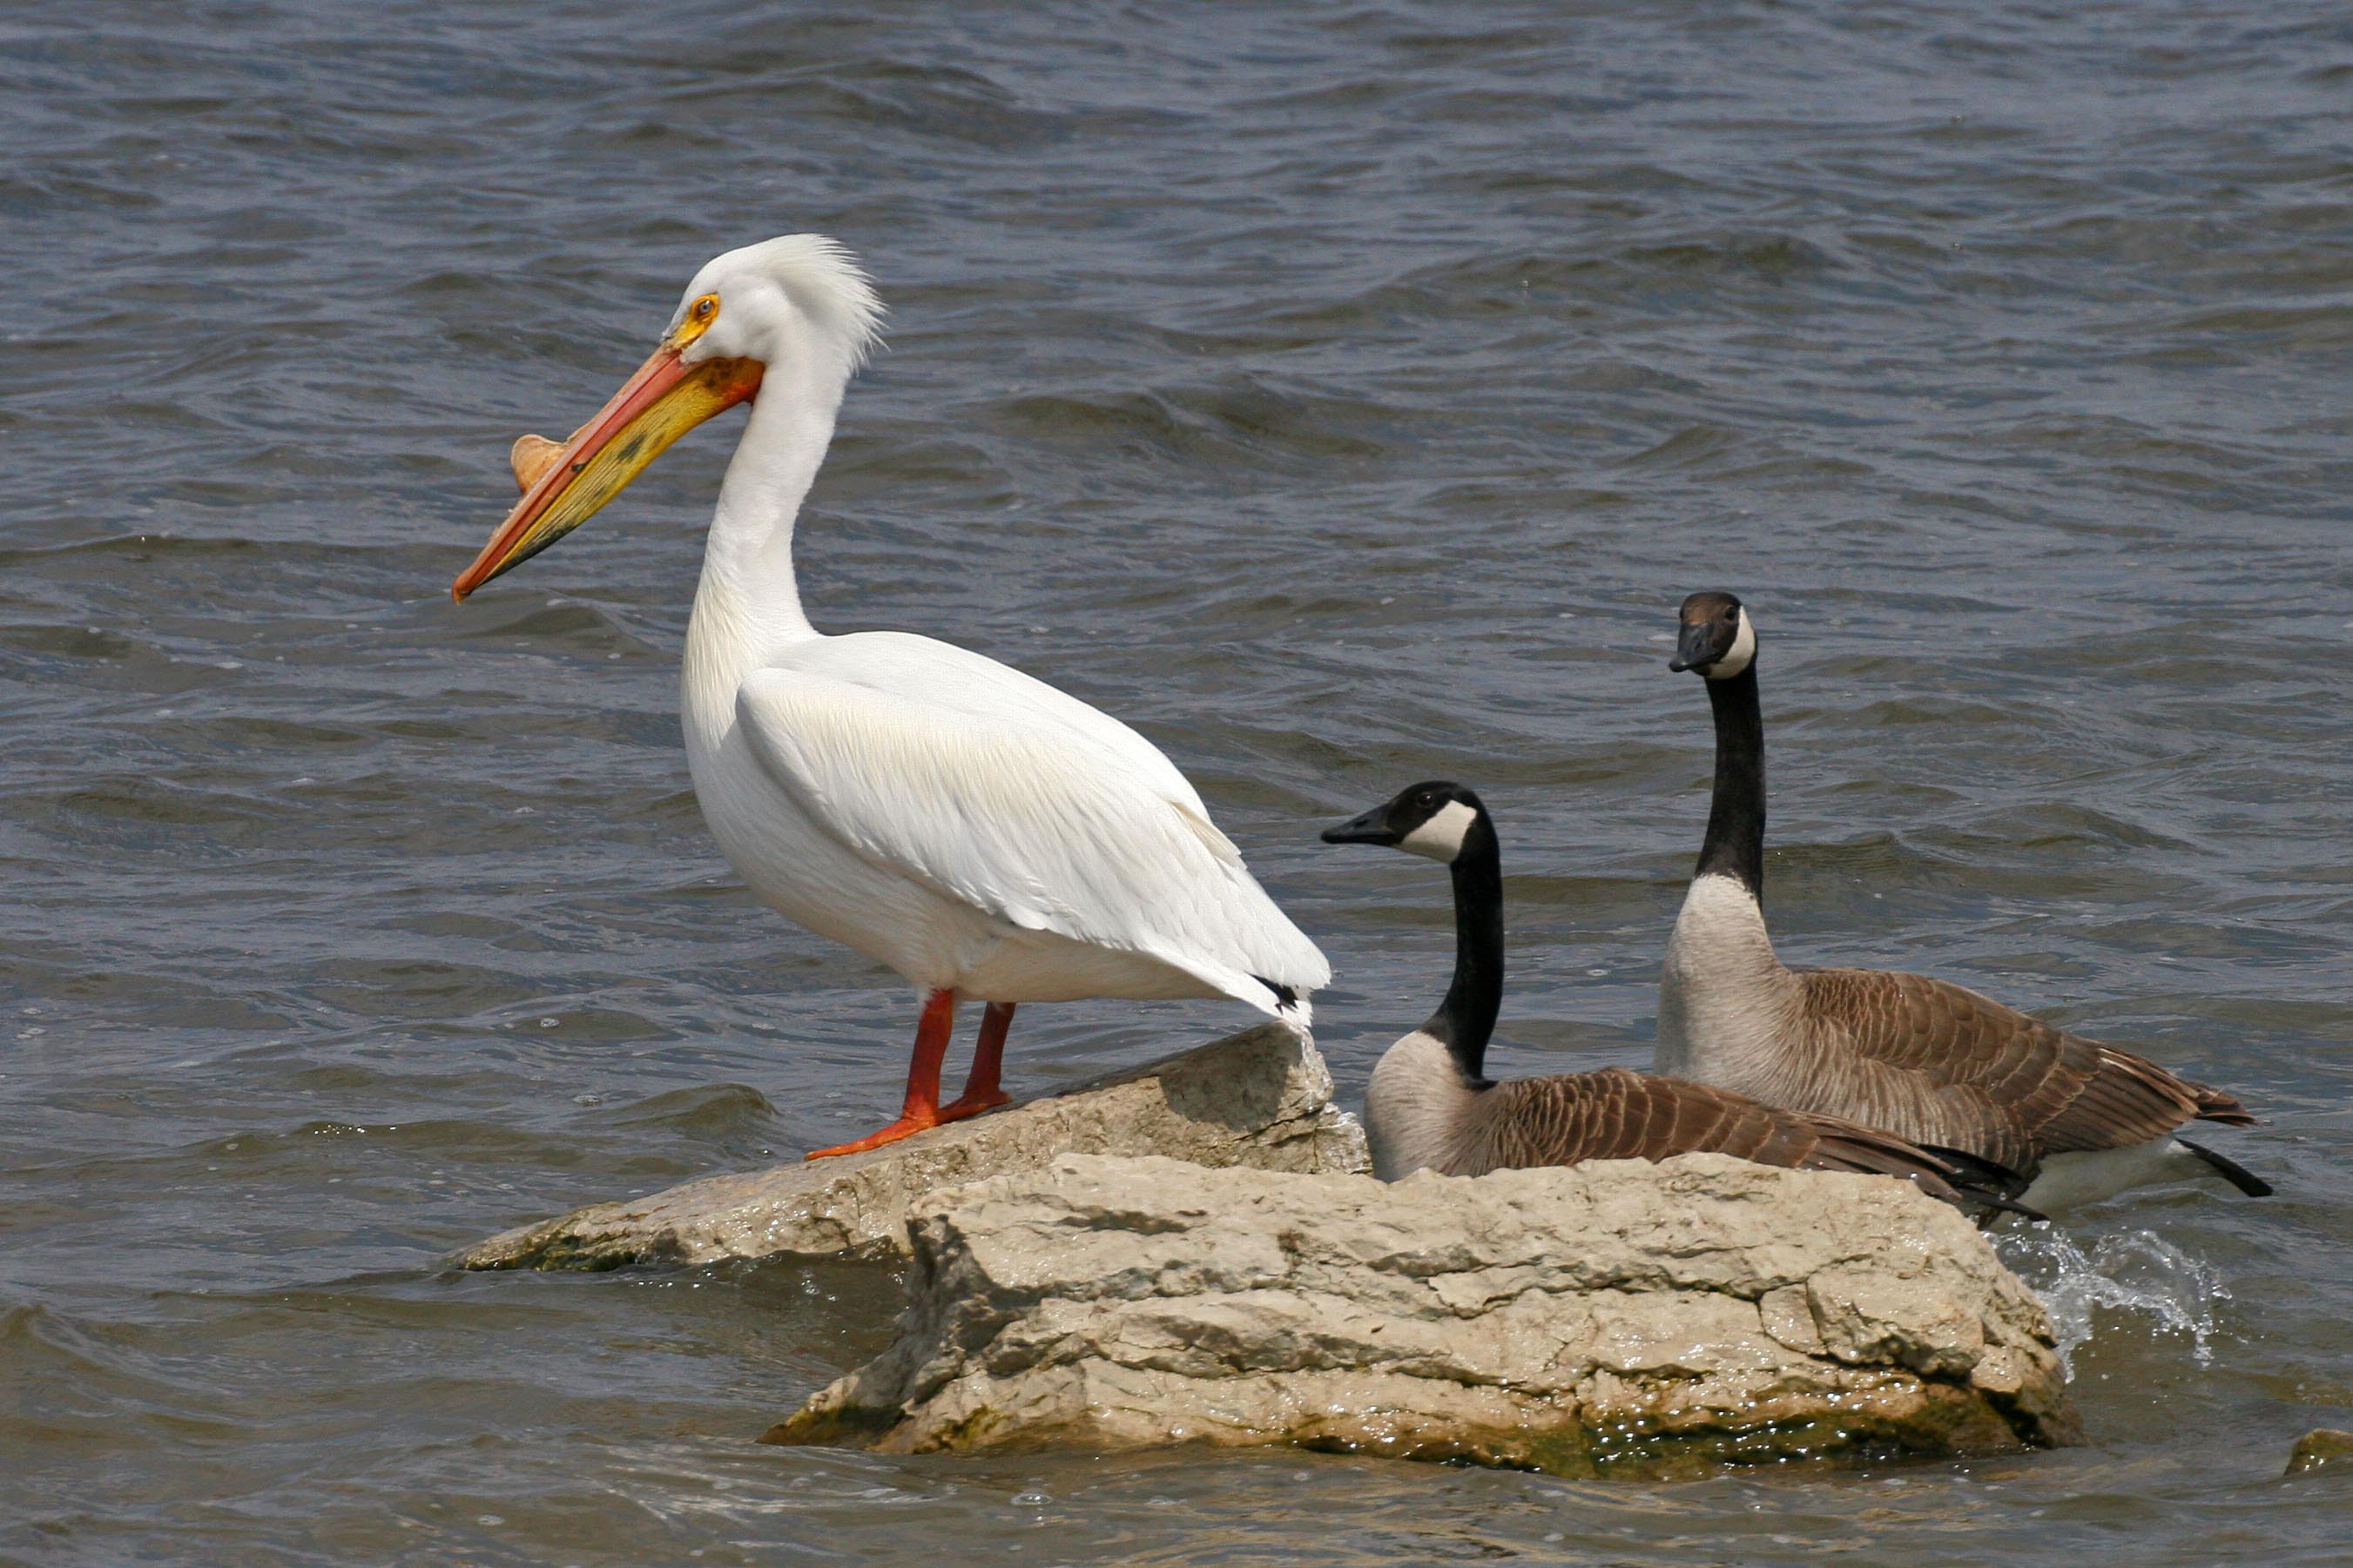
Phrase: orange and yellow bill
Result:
[665,399]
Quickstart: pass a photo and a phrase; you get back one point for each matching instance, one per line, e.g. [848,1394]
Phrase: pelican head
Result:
[800,300]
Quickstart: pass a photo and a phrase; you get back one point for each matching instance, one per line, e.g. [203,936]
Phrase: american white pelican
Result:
[1432,1106]
[1923,1058]
[973,828]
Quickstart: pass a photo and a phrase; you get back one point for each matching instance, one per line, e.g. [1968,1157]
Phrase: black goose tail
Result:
[2238,1175]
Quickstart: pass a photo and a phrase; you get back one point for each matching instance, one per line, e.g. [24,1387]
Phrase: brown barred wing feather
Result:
[1614,1114]
[1942,1065]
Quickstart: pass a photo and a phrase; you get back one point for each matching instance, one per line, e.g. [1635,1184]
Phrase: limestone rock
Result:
[1261,1098]
[2322,1448]
[1617,1316]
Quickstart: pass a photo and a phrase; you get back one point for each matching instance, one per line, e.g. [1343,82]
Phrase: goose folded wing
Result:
[1943,1066]
[1615,1114]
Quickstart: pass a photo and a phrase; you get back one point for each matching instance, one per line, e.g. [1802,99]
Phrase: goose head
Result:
[1717,639]
[800,302]
[1434,819]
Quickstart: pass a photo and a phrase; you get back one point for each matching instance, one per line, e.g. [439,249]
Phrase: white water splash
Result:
[2136,1271]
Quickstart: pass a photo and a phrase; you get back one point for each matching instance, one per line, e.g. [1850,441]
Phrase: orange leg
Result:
[981,1090]
[922,1106]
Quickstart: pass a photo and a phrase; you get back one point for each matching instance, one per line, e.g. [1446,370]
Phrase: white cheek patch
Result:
[1440,838]
[1743,652]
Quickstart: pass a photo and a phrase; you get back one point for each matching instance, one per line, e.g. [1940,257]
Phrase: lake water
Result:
[1343,394]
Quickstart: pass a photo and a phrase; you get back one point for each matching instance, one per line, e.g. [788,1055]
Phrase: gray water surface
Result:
[1343,394]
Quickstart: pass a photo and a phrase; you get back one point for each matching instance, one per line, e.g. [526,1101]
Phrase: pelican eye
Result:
[697,319]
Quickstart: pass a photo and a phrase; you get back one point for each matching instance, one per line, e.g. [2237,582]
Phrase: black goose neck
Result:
[1466,1020]
[1735,845]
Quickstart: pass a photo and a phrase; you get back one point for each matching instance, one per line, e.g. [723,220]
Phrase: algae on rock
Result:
[2322,1448]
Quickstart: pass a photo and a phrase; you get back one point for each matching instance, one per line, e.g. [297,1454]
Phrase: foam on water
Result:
[2138,1272]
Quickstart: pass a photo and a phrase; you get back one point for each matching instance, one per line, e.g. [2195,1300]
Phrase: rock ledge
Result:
[1261,1098]
[1617,1317]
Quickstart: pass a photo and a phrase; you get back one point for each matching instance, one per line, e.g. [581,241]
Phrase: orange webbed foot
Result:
[972,1104]
[905,1127]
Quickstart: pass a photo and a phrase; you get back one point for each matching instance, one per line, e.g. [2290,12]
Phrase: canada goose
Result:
[1924,1058]
[1432,1106]
[980,832]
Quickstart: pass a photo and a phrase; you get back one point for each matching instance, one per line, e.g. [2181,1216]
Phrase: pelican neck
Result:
[747,562]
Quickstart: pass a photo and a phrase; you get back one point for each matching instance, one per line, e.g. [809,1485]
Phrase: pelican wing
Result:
[982,689]
[999,792]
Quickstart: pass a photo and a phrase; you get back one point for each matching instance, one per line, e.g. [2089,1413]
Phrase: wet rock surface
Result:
[2322,1448]
[1618,1317]
[1261,1098]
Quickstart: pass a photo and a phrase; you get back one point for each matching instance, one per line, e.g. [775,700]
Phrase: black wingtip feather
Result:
[2238,1175]
[1986,1198]
[1977,1171]
[1284,996]
[1986,1183]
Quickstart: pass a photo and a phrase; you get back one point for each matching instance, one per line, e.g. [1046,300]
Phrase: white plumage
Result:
[1029,813]
[974,829]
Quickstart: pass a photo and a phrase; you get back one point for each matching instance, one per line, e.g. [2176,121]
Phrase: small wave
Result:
[2135,1271]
